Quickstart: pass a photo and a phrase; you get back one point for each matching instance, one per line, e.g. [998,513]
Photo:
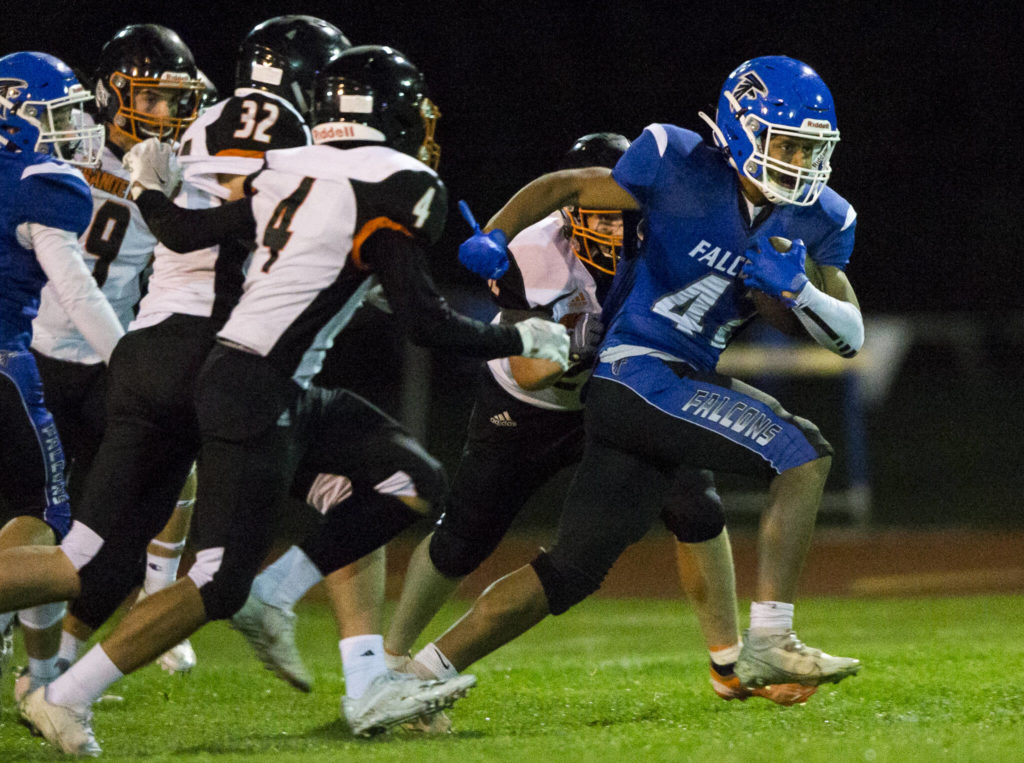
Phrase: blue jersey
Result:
[682,296]
[33,189]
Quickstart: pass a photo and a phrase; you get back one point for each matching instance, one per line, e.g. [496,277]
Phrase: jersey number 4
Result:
[687,307]
[276,236]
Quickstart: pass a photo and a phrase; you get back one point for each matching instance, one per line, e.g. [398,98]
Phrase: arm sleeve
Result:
[186,230]
[832,323]
[424,315]
[60,256]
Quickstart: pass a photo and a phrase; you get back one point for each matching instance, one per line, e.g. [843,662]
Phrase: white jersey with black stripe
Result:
[314,207]
[117,247]
[553,279]
[230,138]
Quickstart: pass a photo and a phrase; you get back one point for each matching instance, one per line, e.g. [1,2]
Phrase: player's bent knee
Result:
[564,585]
[222,589]
[455,556]
[697,529]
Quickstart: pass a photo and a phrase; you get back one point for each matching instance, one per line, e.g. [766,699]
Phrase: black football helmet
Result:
[374,94]
[210,94]
[282,56]
[596,233]
[146,57]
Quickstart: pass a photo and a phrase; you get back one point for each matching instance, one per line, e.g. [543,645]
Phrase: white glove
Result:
[153,167]
[544,339]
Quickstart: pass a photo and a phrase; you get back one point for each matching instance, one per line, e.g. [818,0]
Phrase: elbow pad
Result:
[834,324]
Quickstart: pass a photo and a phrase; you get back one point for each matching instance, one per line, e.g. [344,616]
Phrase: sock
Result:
[161,571]
[85,681]
[69,647]
[43,671]
[433,659]
[286,581]
[771,615]
[362,659]
[724,657]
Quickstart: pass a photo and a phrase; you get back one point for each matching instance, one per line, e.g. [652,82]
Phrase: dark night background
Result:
[930,157]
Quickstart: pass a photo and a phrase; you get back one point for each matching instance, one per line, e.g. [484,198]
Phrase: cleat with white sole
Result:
[63,727]
[394,698]
[779,657]
[178,659]
[270,631]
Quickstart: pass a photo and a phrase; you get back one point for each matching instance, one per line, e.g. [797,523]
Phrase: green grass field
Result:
[613,680]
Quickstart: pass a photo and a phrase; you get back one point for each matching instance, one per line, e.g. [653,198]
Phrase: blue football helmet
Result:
[41,110]
[777,123]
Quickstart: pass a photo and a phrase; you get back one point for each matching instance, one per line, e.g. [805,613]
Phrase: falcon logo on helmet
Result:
[749,86]
[11,87]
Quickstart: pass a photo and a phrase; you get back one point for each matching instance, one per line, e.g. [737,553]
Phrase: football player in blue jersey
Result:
[45,206]
[527,425]
[655,401]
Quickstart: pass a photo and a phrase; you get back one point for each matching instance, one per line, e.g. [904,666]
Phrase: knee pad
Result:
[223,591]
[43,616]
[455,555]
[697,527]
[695,512]
[564,584]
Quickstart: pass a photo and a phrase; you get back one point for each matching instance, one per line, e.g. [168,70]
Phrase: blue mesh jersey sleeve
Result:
[54,195]
[639,168]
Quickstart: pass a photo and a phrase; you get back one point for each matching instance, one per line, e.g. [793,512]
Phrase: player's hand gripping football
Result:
[778,274]
[544,339]
[485,254]
[153,167]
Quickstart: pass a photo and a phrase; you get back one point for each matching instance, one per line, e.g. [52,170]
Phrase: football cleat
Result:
[393,698]
[779,657]
[178,659]
[727,686]
[270,631]
[433,724]
[63,727]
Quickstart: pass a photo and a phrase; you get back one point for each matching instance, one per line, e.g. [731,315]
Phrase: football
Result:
[774,312]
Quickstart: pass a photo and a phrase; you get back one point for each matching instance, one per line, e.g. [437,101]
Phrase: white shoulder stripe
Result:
[660,137]
[52,168]
[851,215]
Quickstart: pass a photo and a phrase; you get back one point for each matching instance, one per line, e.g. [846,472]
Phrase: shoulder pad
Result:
[414,199]
[55,195]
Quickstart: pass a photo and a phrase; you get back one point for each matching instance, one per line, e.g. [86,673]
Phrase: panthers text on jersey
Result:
[314,208]
[229,138]
[555,282]
[33,189]
[683,298]
[117,246]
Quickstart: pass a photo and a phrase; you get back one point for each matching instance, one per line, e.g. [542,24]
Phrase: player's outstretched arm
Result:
[591,187]
[429,321]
